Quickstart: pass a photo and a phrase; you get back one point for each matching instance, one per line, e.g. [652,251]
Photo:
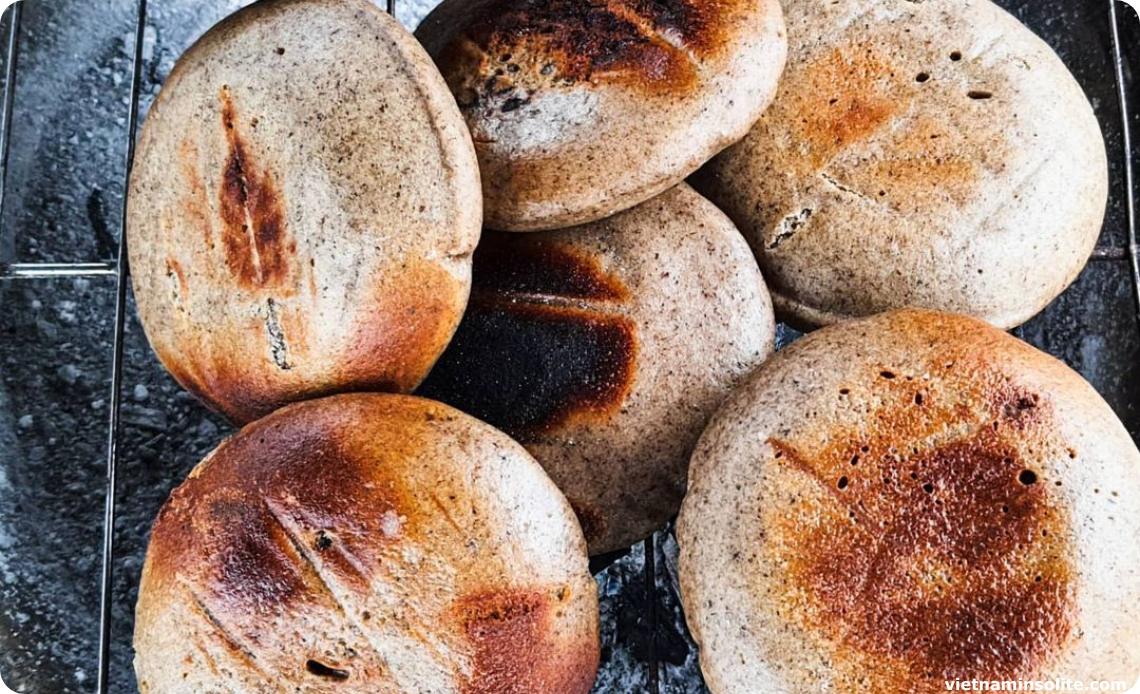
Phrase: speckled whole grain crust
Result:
[583,109]
[303,207]
[933,154]
[605,348]
[367,543]
[904,499]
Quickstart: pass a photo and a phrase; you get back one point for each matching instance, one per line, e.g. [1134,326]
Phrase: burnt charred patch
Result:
[514,263]
[648,42]
[535,350]
[694,21]
[257,249]
[269,503]
[528,368]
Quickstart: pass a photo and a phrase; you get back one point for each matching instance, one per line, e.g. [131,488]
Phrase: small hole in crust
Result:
[928,488]
[956,56]
[978,94]
[280,51]
[323,541]
[918,398]
[842,482]
[1027,477]
[326,671]
[886,374]
[922,77]
[1005,509]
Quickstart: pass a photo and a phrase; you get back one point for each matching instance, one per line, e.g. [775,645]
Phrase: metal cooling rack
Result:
[119,269]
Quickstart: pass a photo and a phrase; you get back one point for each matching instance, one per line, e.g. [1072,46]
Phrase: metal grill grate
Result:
[1131,252]
[118,268]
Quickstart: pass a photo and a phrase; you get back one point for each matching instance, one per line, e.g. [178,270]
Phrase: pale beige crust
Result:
[605,348]
[583,109]
[933,154]
[914,497]
[303,206]
[367,543]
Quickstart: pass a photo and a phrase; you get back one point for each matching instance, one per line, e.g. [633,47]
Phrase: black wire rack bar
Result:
[1126,133]
[35,271]
[12,54]
[120,270]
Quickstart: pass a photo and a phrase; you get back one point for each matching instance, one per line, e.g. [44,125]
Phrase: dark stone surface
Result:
[63,202]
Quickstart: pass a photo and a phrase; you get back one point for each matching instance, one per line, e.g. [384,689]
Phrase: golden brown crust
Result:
[604,348]
[966,516]
[372,524]
[561,96]
[934,154]
[514,654]
[922,494]
[299,226]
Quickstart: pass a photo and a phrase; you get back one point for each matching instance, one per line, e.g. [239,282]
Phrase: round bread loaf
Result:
[583,109]
[303,207]
[367,543]
[934,154]
[605,348]
[907,499]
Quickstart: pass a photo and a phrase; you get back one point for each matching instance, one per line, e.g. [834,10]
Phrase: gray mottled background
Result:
[62,204]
